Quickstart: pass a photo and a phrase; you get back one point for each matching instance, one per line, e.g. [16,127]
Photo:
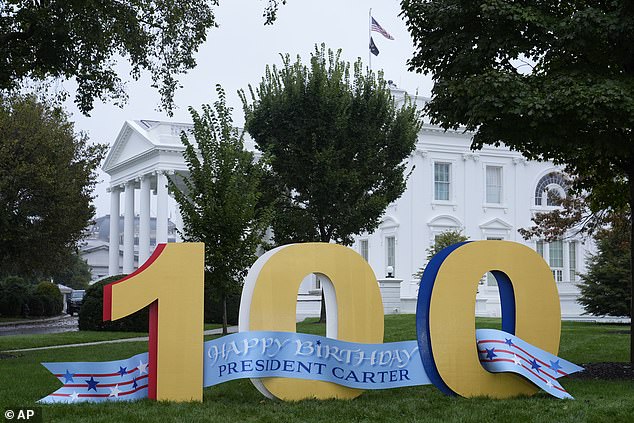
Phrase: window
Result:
[539,247]
[494,184]
[442,181]
[572,260]
[556,259]
[390,252]
[363,248]
[554,182]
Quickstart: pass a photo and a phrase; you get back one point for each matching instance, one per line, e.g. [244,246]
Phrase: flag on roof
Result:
[378,28]
[373,48]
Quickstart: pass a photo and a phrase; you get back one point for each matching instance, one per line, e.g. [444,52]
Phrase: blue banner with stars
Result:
[303,356]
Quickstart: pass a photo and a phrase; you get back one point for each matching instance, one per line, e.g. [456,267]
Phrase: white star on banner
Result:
[517,360]
[74,396]
[142,367]
[114,392]
[549,383]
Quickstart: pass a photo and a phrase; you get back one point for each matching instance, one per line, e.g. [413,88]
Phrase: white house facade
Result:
[486,194]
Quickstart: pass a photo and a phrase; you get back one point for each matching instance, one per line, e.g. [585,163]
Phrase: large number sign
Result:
[448,352]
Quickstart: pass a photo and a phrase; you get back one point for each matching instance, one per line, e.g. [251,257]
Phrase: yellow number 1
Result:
[171,282]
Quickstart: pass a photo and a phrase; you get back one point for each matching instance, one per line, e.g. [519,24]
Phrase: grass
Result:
[23,381]
[14,342]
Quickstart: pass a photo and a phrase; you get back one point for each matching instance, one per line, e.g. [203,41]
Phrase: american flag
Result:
[378,28]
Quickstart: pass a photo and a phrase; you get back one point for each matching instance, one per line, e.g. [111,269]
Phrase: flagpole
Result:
[370,37]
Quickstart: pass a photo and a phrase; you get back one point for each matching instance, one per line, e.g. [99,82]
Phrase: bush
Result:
[91,312]
[14,297]
[50,297]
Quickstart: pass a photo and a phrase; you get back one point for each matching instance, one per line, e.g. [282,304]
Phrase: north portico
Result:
[143,155]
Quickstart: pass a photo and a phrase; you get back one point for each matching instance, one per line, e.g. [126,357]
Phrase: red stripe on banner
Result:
[483,360]
[530,370]
[105,385]
[495,341]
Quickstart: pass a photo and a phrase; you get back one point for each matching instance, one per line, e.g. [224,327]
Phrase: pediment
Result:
[131,142]
[498,224]
[445,221]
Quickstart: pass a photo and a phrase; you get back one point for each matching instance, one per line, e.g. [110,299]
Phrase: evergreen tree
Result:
[606,287]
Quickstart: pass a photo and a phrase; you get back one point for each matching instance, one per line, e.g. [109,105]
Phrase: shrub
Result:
[91,312]
[51,298]
[14,296]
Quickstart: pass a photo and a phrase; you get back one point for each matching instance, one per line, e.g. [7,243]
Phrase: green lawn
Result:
[23,381]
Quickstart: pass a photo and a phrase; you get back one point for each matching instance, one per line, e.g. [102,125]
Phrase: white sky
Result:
[236,53]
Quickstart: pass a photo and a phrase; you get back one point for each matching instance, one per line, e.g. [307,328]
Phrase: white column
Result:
[113,248]
[144,220]
[128,228]
[161,208]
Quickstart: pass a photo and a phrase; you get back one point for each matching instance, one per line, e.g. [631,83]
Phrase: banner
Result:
[259,354]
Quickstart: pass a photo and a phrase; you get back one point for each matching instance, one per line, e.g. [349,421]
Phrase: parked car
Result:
[75,301]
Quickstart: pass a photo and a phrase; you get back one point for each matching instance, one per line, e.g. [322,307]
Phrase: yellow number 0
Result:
[269,301]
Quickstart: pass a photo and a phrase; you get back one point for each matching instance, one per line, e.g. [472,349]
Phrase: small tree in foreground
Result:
[442,240]
[219,199]
[336,144]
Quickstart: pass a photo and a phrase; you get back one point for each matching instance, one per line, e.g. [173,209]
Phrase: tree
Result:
[606,287]
[442,240]
[47,177]
[75,275]
[220,199]
[83,40]
[336,145]
[553,80]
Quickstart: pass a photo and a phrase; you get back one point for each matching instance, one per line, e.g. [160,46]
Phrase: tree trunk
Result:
[322,313]
[630,183]
[224,314]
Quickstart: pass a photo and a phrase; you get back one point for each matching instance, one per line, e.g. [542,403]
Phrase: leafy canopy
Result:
[219,198]
[335,144]
[85,39]
[47,177]
[554,80]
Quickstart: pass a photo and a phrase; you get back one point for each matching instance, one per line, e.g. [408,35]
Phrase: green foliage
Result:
[220,198]
[75,275]
[335,145]
[442,240]
[91,312]
[553,80]
[50,297]
[606,287]
[14,296]
[63,39]
[47,176]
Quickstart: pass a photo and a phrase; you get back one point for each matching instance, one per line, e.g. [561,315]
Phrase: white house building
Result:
[487,194]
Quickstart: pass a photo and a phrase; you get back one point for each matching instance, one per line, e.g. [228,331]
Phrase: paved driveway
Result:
[63,324]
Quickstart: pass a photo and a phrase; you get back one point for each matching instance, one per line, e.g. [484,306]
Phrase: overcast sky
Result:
[236,53]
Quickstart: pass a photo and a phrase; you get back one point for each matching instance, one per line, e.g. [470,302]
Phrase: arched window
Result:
[553,183]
